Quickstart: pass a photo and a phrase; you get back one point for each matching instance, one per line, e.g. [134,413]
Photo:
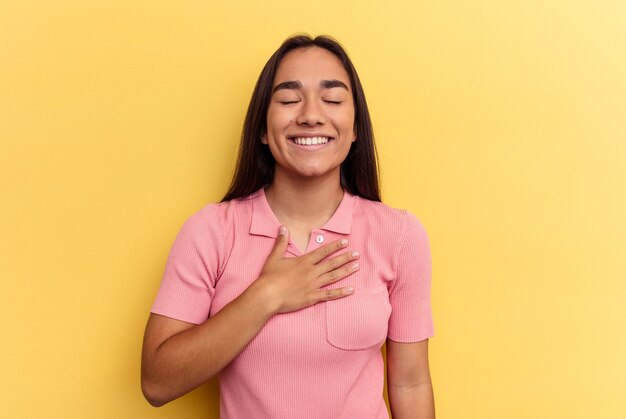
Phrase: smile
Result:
[311,140]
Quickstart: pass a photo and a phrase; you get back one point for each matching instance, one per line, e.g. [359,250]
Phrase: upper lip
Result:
[309,135]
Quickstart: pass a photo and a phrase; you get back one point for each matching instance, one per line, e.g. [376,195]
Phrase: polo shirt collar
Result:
[265,223]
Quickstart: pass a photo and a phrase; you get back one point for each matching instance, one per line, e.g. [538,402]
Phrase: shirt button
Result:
[319,239]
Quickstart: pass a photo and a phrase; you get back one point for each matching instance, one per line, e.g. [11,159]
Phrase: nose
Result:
[311,114]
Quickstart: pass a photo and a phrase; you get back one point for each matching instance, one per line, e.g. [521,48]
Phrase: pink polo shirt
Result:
[323,361]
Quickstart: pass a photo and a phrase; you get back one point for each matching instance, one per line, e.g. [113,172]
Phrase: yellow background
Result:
[500,124]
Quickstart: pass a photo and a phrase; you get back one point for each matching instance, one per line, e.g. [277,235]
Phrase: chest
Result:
[300,238]
[246,259]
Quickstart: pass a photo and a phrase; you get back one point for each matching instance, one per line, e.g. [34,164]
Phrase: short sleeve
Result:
[192,268]
[411,316]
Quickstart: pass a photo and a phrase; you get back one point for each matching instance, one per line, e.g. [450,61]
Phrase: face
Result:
[310,120]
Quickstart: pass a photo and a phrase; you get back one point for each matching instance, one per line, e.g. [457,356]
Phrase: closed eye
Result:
[289,102]
[334,102]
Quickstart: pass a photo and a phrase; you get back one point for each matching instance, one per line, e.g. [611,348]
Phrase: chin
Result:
[317,173]
[314,172]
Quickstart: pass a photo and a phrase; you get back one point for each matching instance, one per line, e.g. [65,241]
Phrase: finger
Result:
[328,295]
[282,240]
[339,273]
[327,250]
[337,261]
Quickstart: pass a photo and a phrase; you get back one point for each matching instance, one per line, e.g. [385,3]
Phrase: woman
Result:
[289,287]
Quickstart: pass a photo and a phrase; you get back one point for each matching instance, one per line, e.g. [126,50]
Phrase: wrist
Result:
[261,297]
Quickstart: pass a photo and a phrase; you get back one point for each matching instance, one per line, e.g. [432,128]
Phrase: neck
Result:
[304,202]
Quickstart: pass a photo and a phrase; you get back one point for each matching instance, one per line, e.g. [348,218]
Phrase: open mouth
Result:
[311,140]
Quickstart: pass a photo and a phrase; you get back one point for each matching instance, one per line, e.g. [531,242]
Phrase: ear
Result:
[264,138]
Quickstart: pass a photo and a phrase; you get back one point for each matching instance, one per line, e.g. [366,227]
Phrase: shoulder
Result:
[400,222]
[209,218]
[221,214]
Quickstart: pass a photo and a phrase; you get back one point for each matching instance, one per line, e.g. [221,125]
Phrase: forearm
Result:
[189,358]
[412,402]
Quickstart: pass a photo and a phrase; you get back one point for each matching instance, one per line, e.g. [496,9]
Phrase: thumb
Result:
[282,240]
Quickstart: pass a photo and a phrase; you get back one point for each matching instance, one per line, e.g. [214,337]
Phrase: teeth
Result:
[310,140]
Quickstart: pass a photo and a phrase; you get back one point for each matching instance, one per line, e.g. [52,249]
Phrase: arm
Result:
[178,356]
[408,380]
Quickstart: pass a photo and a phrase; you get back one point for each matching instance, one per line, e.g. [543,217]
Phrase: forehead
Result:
[310,65]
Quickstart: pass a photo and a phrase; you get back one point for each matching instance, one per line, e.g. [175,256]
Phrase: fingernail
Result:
[344,242]
[355,254]
[355,265]
[282,230]
[349,290]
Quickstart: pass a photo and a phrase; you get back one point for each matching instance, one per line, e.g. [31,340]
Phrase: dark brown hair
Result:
[255,163]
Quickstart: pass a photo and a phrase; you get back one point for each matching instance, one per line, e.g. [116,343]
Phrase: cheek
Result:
[278,118]
[348,122]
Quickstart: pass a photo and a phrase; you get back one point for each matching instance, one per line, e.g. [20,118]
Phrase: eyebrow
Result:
[329,84]
[295,84]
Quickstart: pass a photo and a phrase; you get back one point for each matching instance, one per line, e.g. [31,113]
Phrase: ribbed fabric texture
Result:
[324,361]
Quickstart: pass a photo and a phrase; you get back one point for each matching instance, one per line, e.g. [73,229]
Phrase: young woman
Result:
[289,287]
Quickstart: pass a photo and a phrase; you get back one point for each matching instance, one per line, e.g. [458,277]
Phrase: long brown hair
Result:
[255,163]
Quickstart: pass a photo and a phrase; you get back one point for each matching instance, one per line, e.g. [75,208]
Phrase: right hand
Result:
[296,282]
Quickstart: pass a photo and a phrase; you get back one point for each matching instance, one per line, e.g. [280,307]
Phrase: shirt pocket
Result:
[358,321]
